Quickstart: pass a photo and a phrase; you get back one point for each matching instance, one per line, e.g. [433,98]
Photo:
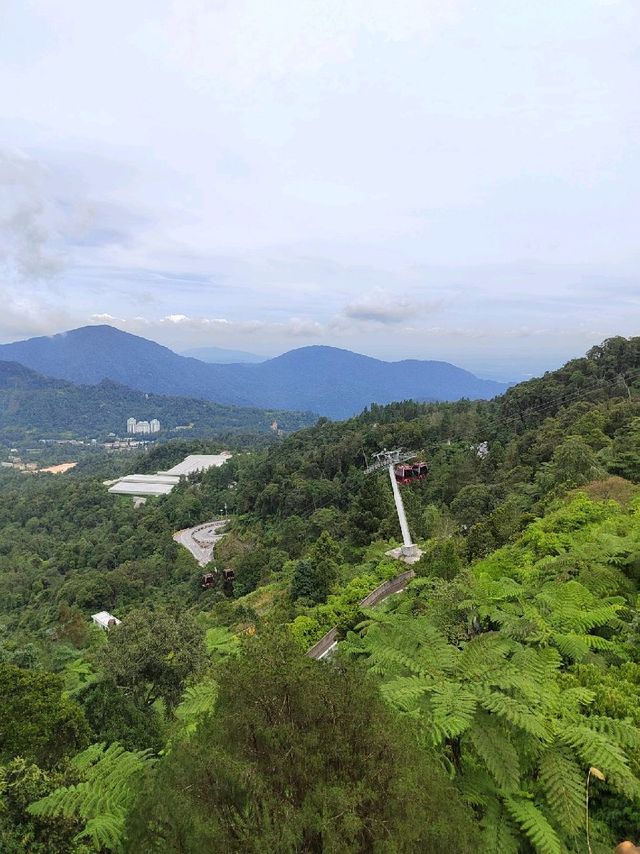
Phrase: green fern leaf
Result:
[498,835]
[562,782]
[493,746]
[534,824]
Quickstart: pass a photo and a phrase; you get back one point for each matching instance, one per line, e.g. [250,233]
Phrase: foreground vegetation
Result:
[473,712]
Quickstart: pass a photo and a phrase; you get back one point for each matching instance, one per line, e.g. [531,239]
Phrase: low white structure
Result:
[143,485]
[198,462]
[160,477]
[105,620]
[140,490]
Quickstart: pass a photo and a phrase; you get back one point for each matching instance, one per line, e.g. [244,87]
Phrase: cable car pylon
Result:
[409,551]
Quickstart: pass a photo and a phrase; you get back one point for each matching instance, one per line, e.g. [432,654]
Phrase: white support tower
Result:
[389,460]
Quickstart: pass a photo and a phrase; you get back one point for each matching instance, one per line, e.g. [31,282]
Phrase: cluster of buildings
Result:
[134,426]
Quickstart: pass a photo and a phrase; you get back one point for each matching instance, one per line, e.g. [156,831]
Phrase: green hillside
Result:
[35,406]
[474,712]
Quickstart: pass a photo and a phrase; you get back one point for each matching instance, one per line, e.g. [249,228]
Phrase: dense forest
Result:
[493,706]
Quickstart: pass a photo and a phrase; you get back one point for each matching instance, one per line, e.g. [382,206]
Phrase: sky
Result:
[453,180]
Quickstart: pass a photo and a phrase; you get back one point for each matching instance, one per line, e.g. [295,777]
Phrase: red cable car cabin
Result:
[404,474]
[420,470]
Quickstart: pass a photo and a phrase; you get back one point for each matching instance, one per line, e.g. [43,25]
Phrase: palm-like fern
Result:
[520,744]
[220,641]
[197,701]
[110,777]
[560,614]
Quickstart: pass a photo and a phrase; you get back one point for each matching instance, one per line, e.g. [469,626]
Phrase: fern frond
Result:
[111,776]
[104,832]
[495,749]
[405,691]
[483,653]
[623,732]
[514,712]
[197,701]
[497,831]
[452,709]
[219,639]
[574,647]
[562,782]
[534,824]
[596,748]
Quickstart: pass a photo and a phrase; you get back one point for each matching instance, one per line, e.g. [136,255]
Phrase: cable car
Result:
[228,574]
[420,470]
[208,580]
[404,474]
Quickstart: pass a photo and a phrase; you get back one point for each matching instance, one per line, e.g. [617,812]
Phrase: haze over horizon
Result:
[452,181]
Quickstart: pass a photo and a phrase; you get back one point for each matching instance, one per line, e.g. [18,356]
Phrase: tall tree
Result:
[314,576]
[37,721]
[152,653]
[298,756]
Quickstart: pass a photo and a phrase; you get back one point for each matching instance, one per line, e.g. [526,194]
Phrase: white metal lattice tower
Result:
[389,460]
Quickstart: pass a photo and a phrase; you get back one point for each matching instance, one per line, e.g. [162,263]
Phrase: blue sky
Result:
[406,178]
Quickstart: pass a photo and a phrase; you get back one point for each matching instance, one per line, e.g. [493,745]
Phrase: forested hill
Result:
[33,405]
[330,381]
[507,675]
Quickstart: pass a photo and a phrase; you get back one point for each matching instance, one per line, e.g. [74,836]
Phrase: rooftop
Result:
[163,482]
[125,487]
[104,618]
[198,462]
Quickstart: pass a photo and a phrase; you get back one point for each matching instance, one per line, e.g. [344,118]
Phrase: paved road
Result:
[327,644]
[201,540]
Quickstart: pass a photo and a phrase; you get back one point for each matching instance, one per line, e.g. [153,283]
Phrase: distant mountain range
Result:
[220,356]
[326,380]
[34,405]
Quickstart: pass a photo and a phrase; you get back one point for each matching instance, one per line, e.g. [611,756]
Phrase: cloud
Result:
[180,330]
[387,309]
[26,315]
[29,221]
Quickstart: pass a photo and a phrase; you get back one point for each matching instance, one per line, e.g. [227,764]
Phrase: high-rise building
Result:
[134,426]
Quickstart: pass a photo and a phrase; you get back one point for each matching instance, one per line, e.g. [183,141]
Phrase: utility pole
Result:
[389,460]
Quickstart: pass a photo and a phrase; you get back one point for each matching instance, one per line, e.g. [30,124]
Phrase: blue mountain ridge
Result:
[327,380]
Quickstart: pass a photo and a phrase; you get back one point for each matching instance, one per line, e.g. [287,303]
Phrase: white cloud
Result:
[29,221]
[386,308]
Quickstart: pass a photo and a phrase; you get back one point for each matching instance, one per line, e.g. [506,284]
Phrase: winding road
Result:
[201,539]
[327,644]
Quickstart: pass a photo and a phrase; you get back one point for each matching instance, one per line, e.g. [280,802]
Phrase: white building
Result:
[143,485]
[198,462]
[105,620]
[144,427]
